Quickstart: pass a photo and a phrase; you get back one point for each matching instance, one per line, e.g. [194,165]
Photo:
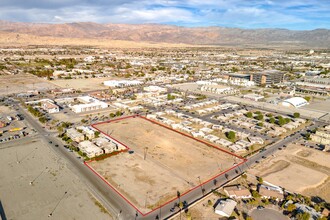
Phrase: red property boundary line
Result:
[127,148]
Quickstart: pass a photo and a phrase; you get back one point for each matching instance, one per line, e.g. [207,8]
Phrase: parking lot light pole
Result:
[51,214]
[31,182]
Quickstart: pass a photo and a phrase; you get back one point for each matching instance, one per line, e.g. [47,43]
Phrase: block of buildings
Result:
[218,89]
[321,136]
[87,131]
[90,149]
[75,135]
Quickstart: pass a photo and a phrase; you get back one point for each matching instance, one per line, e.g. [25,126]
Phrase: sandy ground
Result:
[22,83]
[173,162]
[21,200]
[82,84]
[298,169]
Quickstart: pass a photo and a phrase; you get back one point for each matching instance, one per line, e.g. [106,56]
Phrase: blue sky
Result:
[290,14]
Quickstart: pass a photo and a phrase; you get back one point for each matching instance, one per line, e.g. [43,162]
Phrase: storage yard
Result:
[163,162]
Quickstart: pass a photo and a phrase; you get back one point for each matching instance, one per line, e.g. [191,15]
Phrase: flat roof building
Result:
[267,77]
[89,104]
[225,207]
[90,149]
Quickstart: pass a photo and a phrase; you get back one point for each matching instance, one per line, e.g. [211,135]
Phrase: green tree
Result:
[260,117]
[296,115]
[260,180]
[307,98]
[272,120]
[255,194]
[287,120]
[281,121]
[231,135]
[249,114]
[96,134]
[170,97]
[303,216]
[291,207]
[260,124]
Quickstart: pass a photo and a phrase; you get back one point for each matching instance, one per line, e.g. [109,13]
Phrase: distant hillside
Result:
[173,34]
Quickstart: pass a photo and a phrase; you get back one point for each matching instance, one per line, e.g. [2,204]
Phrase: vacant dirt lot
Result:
[291,167]
[22,83]
[173,162]
[82,84]
[21,200]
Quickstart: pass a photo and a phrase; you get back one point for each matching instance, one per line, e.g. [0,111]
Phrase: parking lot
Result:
[13,125]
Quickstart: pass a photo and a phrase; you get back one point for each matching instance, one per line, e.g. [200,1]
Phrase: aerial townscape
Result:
[128,110]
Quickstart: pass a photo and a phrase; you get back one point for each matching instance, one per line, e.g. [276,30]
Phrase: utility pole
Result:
[145,202]
[200,184]
[145,153]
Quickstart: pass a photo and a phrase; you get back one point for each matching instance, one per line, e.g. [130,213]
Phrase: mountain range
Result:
[157,33]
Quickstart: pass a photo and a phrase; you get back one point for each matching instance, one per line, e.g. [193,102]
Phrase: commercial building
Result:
[75,135]
[50,107]
[89,104]
[268,77]
[225,207]
[122,83]
[295,102]
[89,132]
[238,76]
[253,97]
[321,136]
[90,149]
[106,145]
[155,89]
[218,89]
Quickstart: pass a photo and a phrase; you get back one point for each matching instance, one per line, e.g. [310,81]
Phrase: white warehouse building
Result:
[122,83]
[89,104]
[295,102]
[217,89]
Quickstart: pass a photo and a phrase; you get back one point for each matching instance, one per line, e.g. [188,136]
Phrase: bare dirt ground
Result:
[298,169]
[82,84]
[173,162]
[21,200]
[22,83]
